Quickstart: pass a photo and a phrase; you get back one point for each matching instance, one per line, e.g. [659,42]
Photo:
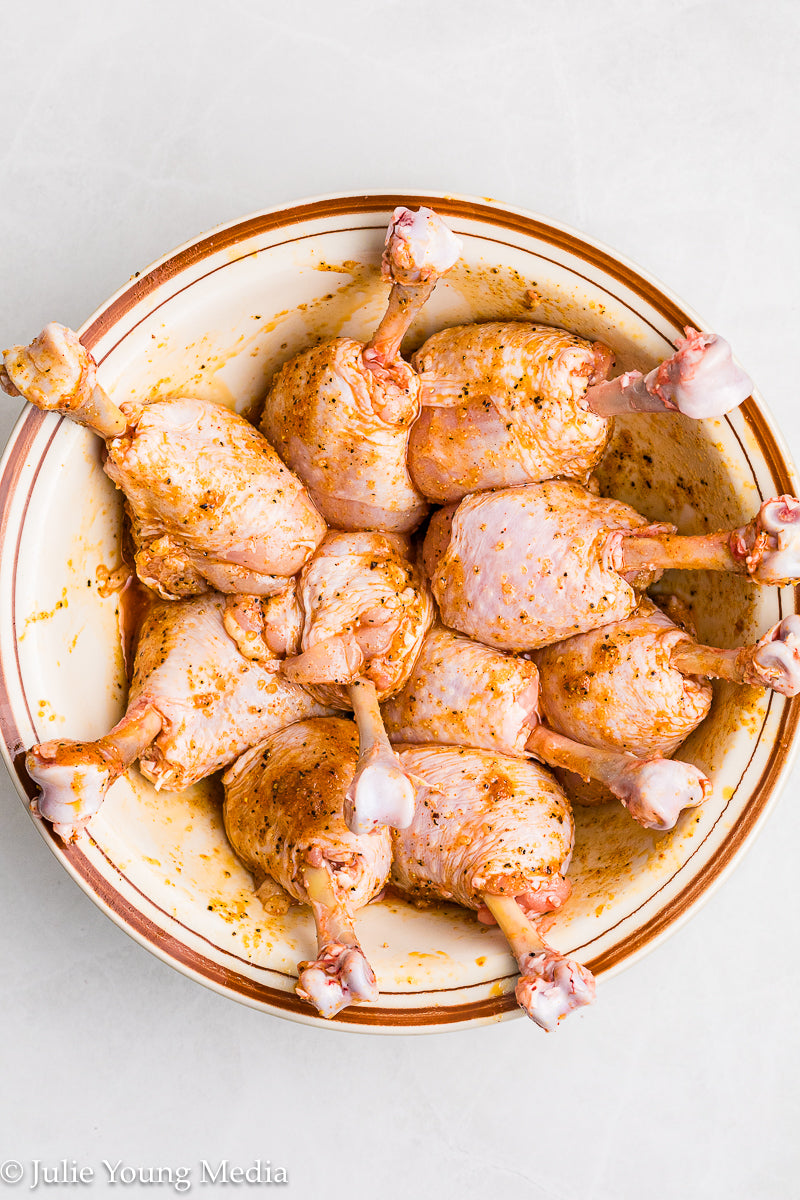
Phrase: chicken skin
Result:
[532,565]
[364,612]
[210,503]
[507,408]
[195,704]
[351,629]
[463,693]
[495,833]
[641,685]
[508,403]
[284,816]
[340,413]
[527,565]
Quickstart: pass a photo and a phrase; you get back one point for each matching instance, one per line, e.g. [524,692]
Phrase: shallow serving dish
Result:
[215,318]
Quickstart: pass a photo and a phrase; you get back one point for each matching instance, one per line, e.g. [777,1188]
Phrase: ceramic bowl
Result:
[215,318]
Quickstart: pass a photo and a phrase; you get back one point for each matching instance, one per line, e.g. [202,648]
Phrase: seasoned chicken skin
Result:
[358,479]
[284,816]
[195,704]
[211,505]
[526,566]
[483,823]
[615,686]
[517,415]
[213,702]
[640,684]
[531,402]
[365,611]
[339,414]
[462,693]
[532,565]
[495,834]
[283,809]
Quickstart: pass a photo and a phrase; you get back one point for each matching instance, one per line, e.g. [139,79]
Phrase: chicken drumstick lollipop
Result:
[195,703]
[527,566]
[339,414]
[641,685]
[365,612]
[284,816]
[495,833]
[211,504]
[463,693]
[351,628]
[507,403]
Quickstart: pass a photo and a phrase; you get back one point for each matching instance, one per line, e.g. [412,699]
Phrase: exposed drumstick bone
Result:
[700,379]
[381,793]
[340,974]
[56,373]
[550,986]
[419,250]
[655,791]
[772,662]
[767,548]
[75,776]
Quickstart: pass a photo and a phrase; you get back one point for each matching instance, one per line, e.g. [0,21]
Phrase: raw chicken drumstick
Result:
[640,685]
[339,414]
[532,565]
[495,832]
[365,610]
[509,402]
[284,803]
[195,704]
[211,504]
[463,693]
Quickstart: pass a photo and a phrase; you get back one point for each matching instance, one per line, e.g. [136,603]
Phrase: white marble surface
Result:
[669,131]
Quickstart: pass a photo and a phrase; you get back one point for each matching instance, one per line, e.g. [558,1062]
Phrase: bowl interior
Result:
[215,320]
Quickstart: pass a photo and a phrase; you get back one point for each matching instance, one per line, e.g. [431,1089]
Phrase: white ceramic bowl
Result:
[215,318]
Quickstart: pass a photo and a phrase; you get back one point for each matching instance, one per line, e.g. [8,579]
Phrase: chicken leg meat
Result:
[507,403]
[495,833]
[340,413]
[527,566]
[284,816]
[195,704]
[210,503]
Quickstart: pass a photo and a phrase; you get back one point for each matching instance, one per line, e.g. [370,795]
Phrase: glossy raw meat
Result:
[461,692]
[516,416]
[365,612]
[639,684]
[214,703]
[339,414]
[495,833]
[528,565]
[532,565]
[284,816]
[508,402]
[195,704]
[210,503]
[483,822]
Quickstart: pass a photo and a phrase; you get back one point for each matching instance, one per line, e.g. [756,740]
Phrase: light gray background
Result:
[667,130]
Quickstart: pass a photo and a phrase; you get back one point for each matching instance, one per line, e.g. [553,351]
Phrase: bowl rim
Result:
[136,923]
